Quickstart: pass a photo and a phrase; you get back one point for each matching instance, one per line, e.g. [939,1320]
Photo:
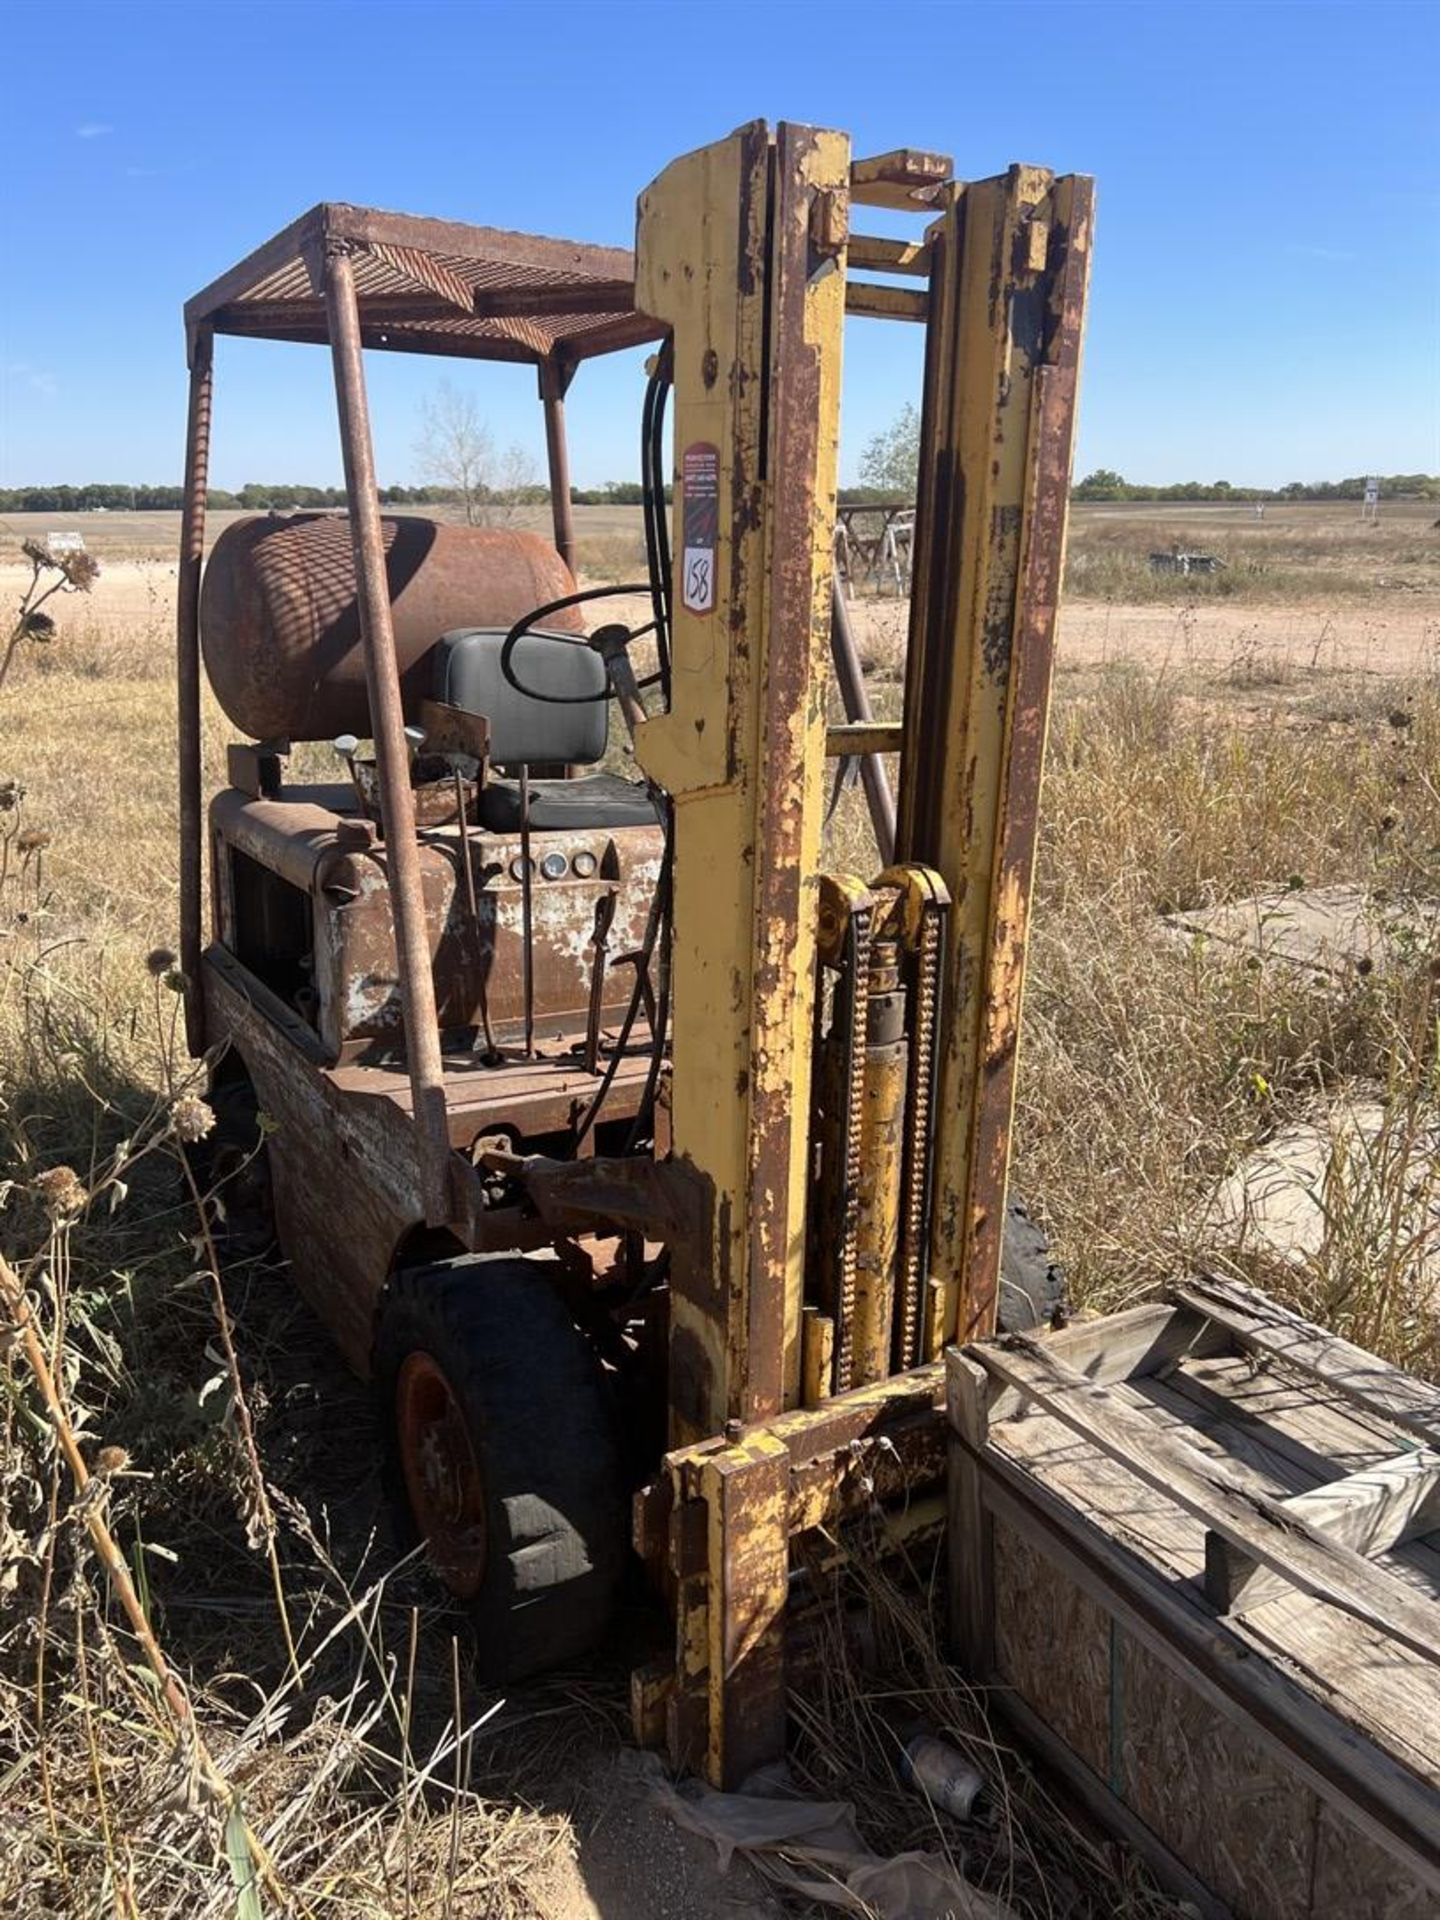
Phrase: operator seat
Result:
[528,732]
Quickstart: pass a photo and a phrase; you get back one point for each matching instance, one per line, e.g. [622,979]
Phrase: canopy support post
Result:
[387,722]
[554,379]
[187,675]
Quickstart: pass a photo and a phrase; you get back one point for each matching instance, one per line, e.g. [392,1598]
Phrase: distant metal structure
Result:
[65,542]
[1177,560]
[1370,510]
[873,543]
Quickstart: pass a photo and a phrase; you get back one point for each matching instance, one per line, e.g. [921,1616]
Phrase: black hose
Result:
[656,518]
[659,915]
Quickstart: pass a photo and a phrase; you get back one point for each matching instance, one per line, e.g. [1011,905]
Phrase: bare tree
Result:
[456,451]
[514,479]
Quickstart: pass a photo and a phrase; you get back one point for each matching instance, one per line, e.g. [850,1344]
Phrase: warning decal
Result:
[699,525]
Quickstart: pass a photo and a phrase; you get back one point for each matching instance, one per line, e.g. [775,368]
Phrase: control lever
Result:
[641,964]
[612,643]
[347,746]
[463,738]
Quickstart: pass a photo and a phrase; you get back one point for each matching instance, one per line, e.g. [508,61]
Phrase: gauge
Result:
[554,866]
[517,868]
[583,864]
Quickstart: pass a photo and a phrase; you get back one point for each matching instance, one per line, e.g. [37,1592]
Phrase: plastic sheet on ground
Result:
[814,1849]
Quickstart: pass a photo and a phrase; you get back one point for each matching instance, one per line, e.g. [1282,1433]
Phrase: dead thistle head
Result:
[191,1119]
[80,569]
[61,1192]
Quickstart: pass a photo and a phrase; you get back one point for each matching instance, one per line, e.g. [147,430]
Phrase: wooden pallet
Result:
[1195,1548]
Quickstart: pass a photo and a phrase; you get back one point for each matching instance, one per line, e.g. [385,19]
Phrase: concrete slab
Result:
[1353,1175]
[1333,929]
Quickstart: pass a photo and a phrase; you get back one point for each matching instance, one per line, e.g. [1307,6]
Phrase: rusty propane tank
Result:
[280,627]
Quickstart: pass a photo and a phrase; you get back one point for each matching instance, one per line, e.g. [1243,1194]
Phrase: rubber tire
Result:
[544,1433]
[1033,1292]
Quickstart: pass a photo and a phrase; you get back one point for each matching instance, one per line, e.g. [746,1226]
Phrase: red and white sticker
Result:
[699,525]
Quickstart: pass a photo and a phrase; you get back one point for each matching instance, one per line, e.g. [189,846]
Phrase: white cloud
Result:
[92,129]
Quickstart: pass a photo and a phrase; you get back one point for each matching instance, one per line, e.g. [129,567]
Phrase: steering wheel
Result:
[619,680]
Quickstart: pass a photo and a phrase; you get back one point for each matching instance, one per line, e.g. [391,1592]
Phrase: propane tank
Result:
[280,625]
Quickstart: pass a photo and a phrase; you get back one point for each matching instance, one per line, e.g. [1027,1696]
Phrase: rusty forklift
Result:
[647,1167]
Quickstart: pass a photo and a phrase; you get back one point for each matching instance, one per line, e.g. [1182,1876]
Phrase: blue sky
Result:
[1266,293]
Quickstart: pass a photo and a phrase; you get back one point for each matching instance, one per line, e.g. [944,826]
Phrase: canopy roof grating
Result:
[434,286]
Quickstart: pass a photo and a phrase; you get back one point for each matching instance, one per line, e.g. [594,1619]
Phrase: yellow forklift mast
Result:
[804,1362]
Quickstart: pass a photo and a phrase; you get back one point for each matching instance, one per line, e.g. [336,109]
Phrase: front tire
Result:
[502,1456]
[1033,1292]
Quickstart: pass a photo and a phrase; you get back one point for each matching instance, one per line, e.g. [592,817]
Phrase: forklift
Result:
[647,1167]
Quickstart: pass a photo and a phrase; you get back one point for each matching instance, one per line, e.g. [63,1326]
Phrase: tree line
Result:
[261,497]
[1104,484]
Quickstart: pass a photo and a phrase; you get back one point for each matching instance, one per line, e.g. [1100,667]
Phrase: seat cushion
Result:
[601,800]
[525,731]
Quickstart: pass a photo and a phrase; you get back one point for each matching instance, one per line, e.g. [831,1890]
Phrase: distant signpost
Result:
[1371,508]
[65,542]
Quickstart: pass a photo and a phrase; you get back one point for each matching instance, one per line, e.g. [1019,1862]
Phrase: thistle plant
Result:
[75,573]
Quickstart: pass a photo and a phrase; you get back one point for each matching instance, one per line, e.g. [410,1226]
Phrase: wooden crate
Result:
[1195,1550]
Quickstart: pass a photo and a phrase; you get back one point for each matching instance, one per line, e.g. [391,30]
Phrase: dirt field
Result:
[1274,725]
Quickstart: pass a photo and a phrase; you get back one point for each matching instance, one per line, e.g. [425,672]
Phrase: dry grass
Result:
[852,1723]
[334,1700]
[1296,553]
[1151,1065]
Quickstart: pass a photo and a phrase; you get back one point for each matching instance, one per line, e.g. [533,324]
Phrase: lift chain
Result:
[919,1101]
[846,929]
[851,1019]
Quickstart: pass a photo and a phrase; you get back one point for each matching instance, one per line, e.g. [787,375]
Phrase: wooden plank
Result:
[1135,1344]
[1378,1507]
[1343,1763]
[1278,1538]
[869,251]
[1294,1428]
[886,303]
[1355,1671]
[1263,1326]
[968,1535]
[1103,1490]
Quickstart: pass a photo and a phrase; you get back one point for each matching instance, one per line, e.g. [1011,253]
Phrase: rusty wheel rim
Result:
[443,1482]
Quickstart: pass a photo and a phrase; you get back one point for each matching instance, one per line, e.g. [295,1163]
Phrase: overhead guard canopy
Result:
[433,286]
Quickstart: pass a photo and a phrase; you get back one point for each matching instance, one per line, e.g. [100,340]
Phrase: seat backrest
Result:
[525,731]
